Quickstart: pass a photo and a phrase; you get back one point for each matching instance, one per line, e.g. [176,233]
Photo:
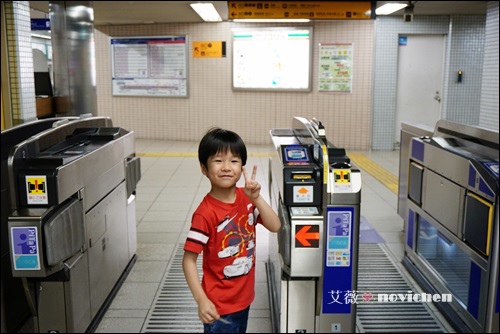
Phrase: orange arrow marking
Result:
[303,191]
[303,235]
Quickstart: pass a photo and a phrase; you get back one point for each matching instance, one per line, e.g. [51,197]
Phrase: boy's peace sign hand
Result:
[252,187]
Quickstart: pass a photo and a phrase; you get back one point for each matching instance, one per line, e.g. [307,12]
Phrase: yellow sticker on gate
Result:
[342,175]
[36,189]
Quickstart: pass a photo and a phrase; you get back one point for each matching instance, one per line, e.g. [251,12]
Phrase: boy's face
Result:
[224,169]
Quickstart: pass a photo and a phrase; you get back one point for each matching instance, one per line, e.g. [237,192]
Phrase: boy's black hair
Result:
[220,140]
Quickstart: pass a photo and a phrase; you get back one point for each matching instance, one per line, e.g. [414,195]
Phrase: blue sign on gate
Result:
[25,248]
[338,293]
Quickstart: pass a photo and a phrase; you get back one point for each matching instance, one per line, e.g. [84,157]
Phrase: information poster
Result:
[150,66]
[335,68]
[272,59]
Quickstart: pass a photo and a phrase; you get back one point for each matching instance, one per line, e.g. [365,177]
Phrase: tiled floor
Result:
[170,189]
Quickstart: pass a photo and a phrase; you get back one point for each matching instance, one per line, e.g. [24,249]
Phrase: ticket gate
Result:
[317,194]
[14,307]
[451,222]
[72,226]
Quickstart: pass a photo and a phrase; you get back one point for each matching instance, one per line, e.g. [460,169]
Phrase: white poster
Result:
[335,68]
[149,66]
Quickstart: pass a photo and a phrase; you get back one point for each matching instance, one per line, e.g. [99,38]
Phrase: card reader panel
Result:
[301,177]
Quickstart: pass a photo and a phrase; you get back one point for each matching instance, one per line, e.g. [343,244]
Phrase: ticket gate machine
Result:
[451,222]
[14,307]
[317,194]
[72,226]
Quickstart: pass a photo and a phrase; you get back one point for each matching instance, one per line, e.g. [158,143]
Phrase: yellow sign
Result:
[36,189]
[342,175]
[209,49]
[314,10]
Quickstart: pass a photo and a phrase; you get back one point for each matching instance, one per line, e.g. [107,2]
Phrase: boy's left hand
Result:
[252,187]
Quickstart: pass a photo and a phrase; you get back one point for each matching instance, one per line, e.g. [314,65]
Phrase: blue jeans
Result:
[231,323]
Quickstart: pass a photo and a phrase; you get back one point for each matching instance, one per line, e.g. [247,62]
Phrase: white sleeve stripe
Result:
[197,236]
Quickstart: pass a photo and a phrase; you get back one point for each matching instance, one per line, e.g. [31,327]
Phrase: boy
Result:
[223,227]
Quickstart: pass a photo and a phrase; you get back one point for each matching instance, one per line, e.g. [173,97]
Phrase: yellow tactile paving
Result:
[169,155]
[192,154]
[381,174]
[362,161]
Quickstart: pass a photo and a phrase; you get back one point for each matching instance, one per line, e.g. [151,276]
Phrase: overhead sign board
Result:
[313,10]
[40,24]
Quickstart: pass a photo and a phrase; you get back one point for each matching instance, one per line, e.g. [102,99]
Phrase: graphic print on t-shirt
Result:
[239,243]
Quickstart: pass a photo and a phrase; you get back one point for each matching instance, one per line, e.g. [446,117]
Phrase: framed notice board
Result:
[335,68]
[150,66]
[272,59]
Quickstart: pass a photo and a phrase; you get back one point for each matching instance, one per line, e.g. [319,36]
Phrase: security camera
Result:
[407,17]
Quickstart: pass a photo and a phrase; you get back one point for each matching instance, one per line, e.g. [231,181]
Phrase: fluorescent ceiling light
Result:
[207,11]
[390,8]
[271,20]
[40,36]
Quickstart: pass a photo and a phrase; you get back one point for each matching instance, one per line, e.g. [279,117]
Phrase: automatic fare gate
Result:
[72,226]
[451,222]
[316,193]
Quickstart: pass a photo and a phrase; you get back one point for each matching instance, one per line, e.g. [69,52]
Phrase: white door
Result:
[420,80]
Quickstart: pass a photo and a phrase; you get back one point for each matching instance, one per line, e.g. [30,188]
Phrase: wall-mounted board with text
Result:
[313,10]
[150,66]
[272,59]
[335,68]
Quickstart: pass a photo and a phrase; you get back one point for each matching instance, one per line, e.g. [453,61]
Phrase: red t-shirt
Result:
[225,233]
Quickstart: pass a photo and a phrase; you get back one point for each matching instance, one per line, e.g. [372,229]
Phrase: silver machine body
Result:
[317,194]
[450,211]
[72,224]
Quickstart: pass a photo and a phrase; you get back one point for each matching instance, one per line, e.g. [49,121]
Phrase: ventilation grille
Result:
[174,309]
[378,274]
